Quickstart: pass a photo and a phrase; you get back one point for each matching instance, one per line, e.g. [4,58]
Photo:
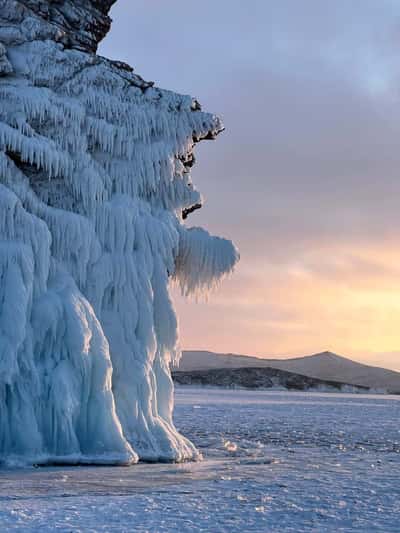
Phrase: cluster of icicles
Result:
[93,181]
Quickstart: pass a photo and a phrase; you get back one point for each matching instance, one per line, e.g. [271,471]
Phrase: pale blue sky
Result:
[305,179]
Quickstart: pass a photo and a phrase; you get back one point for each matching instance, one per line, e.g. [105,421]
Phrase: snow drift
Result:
[94,179]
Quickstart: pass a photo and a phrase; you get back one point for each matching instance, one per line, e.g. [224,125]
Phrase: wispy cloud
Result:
[306,177]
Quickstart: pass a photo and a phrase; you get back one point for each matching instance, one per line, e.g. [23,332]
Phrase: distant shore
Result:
[264,378]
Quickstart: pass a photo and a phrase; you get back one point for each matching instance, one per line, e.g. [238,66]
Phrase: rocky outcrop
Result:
[260,378]
[79,24]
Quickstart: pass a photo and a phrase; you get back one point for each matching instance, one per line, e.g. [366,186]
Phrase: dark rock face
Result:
[79,24]
[259,378]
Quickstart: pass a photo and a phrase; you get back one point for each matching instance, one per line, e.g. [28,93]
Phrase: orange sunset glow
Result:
[331,299]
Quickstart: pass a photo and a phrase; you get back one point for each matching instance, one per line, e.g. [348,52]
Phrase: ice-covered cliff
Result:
[94,184]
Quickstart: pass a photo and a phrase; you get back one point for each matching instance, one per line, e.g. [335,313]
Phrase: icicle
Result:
[94,175]
[203,260]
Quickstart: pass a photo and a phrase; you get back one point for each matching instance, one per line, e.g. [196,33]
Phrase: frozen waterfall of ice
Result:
[94,176]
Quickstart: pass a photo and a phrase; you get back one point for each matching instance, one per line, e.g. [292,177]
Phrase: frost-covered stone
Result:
[94,178]
[5,66]
[75,23]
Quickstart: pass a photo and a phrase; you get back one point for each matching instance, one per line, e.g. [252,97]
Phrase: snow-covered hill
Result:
[325,366]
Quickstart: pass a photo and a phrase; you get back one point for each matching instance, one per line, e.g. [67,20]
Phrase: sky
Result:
[305,179]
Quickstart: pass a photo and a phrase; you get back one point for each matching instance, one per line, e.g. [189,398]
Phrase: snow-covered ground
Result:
[273,461]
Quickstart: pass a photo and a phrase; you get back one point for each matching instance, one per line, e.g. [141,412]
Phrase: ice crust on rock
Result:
[94,176]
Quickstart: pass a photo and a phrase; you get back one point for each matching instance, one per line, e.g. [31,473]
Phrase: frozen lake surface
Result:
[273,461]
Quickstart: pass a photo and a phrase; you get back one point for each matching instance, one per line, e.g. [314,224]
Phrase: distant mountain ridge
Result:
[326,366]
